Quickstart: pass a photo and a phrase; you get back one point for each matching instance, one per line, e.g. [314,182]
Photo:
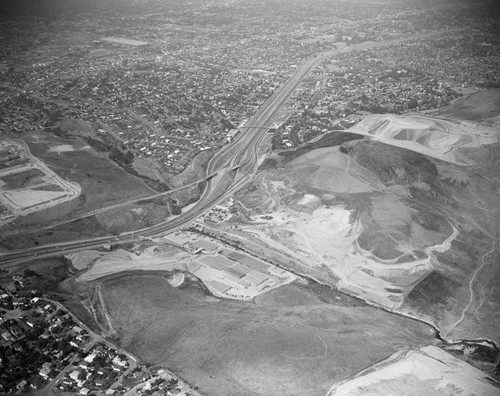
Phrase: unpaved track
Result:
[471,286]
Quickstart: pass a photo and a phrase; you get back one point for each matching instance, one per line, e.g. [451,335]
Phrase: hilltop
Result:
[401,211]
[480,106]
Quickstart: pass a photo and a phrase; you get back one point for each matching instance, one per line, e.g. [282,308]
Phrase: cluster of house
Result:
[96,369]
[37,340]
[43,345]
[408,76]
[159,383]
[218,214]
[180,96]
[193,93]
[11,156]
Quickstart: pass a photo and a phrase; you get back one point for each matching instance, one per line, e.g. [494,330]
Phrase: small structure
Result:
[21,386]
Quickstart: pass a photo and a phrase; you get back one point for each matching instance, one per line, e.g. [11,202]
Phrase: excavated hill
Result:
[401,211]
[451,141]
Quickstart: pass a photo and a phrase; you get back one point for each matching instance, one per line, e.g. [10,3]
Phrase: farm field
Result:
[293,340]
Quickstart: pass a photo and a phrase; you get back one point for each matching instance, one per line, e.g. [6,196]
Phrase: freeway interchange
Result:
[233,166]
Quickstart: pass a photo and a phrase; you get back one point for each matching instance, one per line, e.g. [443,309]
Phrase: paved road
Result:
[94,212]
[242,154]
[94,339]
[68,193]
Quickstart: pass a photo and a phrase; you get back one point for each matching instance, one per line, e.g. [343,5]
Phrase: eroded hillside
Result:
[401,211]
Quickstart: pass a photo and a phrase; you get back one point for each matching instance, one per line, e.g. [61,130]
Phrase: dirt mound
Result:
[446,140]
[389,223]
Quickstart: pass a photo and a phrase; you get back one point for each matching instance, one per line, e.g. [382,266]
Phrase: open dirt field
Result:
[30,186]
[63,148]
[149,260]
[294,340]
[429,370]
[82,260]
[393,223]
[438,138]
[25,199]
[101,179]
[102,183]
[328,238]
[345,210]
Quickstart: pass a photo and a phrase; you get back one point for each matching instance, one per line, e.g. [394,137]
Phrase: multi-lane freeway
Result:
[230,169]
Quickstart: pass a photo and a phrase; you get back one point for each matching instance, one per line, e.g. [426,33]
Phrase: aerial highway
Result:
[233,166]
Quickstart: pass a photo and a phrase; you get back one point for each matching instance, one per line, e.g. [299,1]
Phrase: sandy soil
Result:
[121,260]
[25,199]
[47,190]
[328,238]
[438,138]
[81,260]
[396,218]
[426,371]
[176,279]
[63,148]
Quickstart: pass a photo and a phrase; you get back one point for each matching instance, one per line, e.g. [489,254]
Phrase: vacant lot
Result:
[83,228]
[23,179]
[294,340]
[115,220]
[430,370]
[102,182]
[25,199]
